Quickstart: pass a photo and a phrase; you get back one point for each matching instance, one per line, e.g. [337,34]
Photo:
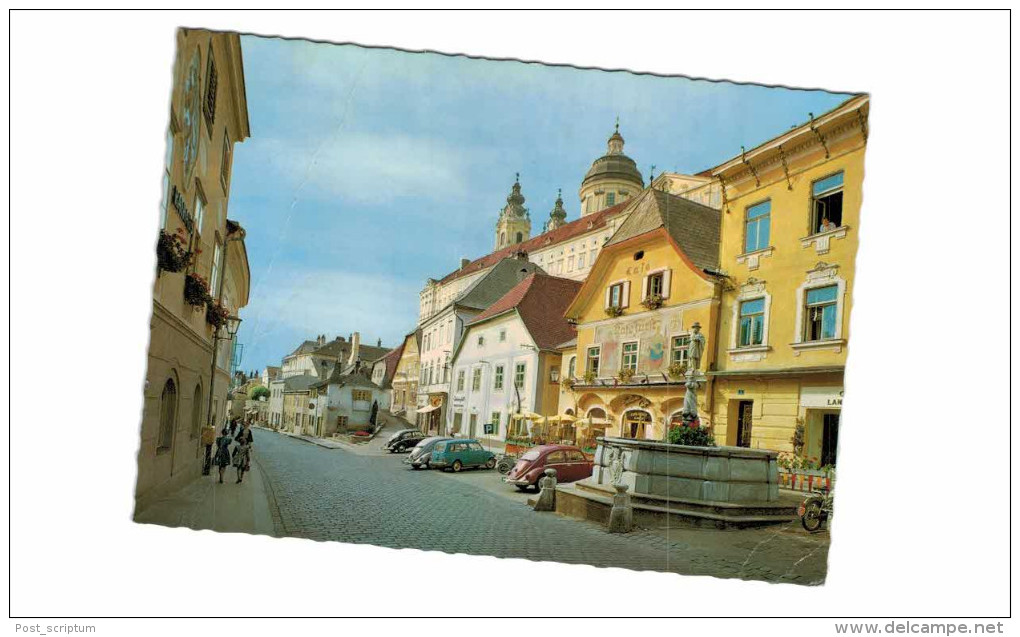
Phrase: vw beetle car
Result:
[460,453]
[422,453]
[403,440]
[568,461]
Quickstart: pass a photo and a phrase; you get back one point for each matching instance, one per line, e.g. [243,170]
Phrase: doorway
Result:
[744,415]
[830,436]
[635,423]
[472,425]
[457,419]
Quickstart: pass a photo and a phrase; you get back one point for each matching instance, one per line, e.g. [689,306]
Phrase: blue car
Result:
[460,453]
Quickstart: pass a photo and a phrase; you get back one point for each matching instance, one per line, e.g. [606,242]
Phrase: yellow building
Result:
[203,266]
[790,220]
[403,402]
[651,283]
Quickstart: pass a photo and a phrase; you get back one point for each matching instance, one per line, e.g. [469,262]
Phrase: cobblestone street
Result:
[368,497]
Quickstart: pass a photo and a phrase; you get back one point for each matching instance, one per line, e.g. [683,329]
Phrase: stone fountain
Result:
[715,486]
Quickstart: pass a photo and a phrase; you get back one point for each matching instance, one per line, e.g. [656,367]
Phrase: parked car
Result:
[570,464]
[422,452]
[459,453]
[403,440]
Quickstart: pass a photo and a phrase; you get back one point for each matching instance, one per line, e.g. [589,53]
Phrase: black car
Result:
[403,440]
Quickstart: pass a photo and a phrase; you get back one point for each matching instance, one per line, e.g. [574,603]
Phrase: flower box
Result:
[653,302]
[196,291]
[215,314]
[172,254]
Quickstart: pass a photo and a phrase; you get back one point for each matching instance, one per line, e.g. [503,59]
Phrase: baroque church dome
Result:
[614,164]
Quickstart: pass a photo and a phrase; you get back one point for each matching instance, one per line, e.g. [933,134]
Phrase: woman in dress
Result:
[242,453]
[222,459]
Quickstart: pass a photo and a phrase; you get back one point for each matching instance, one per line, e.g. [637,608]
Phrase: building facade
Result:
[442,332]
[507,365]
[404,395]
[652,286]
[789,236]
[199,249]
[566,248]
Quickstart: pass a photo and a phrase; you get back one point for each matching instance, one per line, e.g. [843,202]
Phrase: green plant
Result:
[614,311]
[258,392]
[567,384]
[691,434]
[625,375]
[653,301]
[797,439]
[677,370]
[196,291]
[589,377]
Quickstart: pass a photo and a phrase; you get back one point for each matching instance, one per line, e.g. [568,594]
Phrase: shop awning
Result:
[425,410]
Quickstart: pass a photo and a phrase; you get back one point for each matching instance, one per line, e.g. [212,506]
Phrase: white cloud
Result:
[370,167]
[335,302]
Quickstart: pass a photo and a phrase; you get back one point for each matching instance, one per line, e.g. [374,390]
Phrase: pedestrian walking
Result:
[233,426]
[242,455]
[223,451]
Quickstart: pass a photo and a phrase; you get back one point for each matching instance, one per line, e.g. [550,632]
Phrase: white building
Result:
[441,334]
[508,361]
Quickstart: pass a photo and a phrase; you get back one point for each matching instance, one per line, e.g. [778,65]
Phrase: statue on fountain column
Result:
[695,349]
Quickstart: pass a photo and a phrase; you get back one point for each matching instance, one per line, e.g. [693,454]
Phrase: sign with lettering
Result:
[821,397]
[651,332]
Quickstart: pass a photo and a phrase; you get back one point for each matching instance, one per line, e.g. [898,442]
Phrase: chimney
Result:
[355,343]
[464,263]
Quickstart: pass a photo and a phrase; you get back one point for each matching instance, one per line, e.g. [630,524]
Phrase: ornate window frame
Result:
[750,290]
[820,276]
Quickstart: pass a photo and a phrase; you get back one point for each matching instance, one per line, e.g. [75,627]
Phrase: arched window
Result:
[572,367]
[502,239]
[196,411]
[167,416]
[520,237]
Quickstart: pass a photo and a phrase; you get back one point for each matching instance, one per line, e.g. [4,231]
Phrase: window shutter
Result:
[608,292]
[625,302]
[665,283]
[644,288]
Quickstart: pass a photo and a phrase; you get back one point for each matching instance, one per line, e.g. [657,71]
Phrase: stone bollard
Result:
[547,494]
[621,517]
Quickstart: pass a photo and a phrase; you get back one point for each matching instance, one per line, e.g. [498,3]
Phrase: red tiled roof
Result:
[392,359]
[541,300]
[573,229]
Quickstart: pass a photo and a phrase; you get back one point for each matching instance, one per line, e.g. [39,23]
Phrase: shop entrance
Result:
[744,411]
[635,424]
[830,436]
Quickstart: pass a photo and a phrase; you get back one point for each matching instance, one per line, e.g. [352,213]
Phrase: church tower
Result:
[558,216]
[514,225]
[612,178]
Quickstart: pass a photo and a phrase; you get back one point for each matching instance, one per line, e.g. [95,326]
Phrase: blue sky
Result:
[369,170]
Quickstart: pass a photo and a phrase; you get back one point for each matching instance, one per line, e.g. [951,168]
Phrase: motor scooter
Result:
[816,509]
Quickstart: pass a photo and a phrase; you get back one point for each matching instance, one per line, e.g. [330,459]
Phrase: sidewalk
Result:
[227,508]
